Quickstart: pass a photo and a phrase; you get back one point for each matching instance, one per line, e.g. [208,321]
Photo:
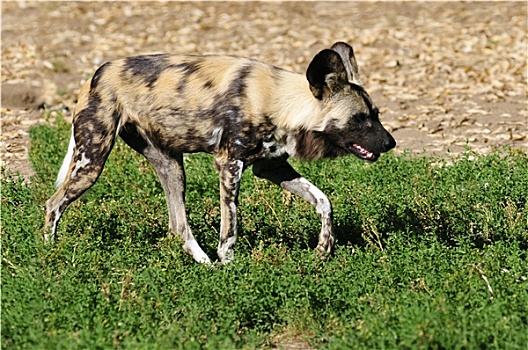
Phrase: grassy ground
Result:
[430,255]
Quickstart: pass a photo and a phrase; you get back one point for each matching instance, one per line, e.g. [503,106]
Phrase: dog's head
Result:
[351,119]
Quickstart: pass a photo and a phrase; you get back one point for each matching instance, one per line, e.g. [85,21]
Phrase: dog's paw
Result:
[227,257]
[192,247]
[48,237]
[323,253]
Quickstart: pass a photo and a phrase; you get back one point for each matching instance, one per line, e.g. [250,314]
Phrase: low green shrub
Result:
[431,254]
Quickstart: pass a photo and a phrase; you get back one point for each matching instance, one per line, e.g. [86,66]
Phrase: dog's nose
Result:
[389,143]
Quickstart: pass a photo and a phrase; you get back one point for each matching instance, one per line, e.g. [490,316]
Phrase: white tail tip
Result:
[65,167]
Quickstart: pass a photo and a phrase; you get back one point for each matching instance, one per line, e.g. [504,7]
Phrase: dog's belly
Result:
[189,133]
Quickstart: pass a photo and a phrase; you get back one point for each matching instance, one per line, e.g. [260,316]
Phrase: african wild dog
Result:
[242,111]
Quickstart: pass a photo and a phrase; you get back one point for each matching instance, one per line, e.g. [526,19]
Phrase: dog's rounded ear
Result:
[349,60]
[326,73]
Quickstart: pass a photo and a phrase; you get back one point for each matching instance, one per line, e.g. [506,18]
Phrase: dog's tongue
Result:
[363,152]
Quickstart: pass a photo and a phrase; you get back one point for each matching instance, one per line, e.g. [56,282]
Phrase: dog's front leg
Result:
[230,172]
[281,172]
[305,189]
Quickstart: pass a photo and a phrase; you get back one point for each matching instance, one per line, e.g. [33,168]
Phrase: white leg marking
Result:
[320,201]
[238,174]
[216,137]
[225,251]
[192,247]
[323,205]
[80,164]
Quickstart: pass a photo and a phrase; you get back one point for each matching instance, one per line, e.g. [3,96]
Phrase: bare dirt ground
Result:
[444,74]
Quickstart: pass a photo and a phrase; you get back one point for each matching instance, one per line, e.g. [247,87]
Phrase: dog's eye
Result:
[360,117]
[361,121]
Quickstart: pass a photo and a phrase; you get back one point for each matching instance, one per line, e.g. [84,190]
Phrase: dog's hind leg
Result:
[280,172]
[172,177]
[93,134]
[171,174]
[230,172]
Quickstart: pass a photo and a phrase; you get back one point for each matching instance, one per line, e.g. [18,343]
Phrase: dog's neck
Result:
[300,118]
[294,107]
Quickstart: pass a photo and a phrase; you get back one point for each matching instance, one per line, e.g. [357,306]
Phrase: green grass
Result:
[420,244]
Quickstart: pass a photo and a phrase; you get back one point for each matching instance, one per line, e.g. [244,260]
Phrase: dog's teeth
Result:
[363,152]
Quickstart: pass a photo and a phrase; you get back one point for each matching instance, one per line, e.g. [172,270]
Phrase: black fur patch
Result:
[130,134]
[149,67]
[324,63]
[313,145]
[239,83]
[97,75]
[187,69]
[94,101]
[208,84]
[91,132]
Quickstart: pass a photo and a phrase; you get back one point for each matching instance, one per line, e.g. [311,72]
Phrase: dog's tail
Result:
[66,163]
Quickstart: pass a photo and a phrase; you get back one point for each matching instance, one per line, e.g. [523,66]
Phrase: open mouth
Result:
[363,153]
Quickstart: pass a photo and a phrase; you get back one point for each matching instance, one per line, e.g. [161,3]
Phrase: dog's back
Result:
[191,103]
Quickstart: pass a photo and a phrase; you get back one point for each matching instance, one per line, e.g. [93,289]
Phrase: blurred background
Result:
[445,75]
